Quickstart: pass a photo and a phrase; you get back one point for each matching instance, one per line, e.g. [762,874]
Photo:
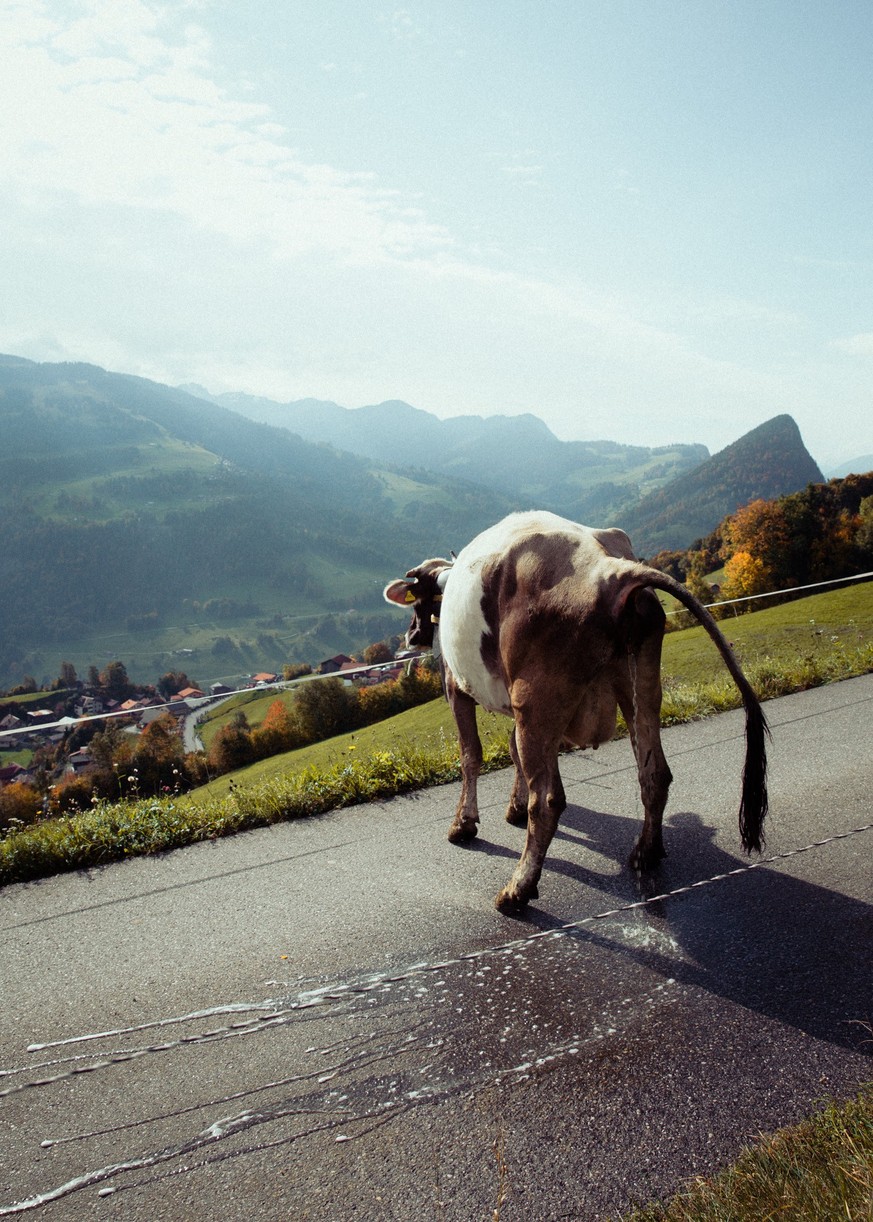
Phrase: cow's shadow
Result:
[783,947]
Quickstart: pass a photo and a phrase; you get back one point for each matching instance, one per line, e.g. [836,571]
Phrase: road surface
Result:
[214,1033]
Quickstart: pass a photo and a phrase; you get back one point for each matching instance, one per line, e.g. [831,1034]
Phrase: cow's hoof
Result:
[509,902]
[517,816]
[462,833]
[646,858]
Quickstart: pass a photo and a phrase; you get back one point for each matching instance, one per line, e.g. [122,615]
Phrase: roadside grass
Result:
[819,1169]
[808,628]
[826,638]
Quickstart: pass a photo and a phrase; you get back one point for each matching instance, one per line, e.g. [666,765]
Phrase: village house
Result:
[14,774]
[331,665]
[78,762]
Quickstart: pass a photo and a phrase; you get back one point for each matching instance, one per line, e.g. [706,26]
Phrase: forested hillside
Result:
[822,533]
[766,462]
[139,520]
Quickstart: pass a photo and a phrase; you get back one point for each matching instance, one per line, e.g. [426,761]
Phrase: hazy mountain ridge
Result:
[665,497]
[515,454]
[851,466]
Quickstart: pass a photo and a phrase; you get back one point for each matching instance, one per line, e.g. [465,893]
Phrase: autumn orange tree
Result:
[279,731]
[19,803]
[755,545]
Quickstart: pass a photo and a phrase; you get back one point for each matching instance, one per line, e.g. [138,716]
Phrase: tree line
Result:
[822,533]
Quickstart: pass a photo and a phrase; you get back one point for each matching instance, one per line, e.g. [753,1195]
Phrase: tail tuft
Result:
[754,802]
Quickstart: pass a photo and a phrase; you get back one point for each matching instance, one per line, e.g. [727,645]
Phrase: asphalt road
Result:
[220,1039]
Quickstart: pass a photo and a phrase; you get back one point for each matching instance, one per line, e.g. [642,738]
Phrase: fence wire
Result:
[562,930]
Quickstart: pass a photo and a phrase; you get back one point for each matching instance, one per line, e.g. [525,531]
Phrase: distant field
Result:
[283,631]
[823,623]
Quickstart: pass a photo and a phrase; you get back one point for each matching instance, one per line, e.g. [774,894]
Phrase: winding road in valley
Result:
[328,1019]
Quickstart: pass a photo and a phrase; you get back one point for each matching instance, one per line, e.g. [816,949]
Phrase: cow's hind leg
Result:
[516,811]
[465,823]
[639,696]
[538,758]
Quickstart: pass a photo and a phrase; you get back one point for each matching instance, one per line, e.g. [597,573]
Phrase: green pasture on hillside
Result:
[803,628]
[428,727]
[255,704]
[107,497]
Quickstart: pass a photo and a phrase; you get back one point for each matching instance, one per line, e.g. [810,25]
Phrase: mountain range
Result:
[665,497]
[514,455]
[144,522]
[766,462]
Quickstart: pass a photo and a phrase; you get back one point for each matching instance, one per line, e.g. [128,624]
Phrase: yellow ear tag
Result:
[410,597]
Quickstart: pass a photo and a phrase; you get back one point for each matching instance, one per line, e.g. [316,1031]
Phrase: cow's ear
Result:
[399,592]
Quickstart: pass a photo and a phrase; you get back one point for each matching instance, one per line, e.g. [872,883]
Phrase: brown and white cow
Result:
[558,625]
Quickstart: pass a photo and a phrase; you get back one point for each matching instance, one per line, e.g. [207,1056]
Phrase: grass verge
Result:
[821,1168]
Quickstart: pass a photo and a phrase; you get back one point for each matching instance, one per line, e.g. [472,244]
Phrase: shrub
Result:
[279,731]
[19,803]
[231,749]
[325,708]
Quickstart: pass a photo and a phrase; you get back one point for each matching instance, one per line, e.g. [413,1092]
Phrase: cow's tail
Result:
[754,802]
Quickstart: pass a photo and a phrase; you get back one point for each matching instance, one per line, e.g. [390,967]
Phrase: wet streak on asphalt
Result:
[486,1025]
[476,1031]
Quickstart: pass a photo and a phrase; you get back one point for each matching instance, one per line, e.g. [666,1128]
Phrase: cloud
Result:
[123,110]
[856,345]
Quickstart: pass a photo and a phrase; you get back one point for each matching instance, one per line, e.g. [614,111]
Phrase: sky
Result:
[642,220]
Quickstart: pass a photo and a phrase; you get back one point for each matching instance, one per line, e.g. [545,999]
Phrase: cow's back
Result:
[527,570]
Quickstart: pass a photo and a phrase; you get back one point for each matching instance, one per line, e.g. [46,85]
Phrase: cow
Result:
[558,626]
